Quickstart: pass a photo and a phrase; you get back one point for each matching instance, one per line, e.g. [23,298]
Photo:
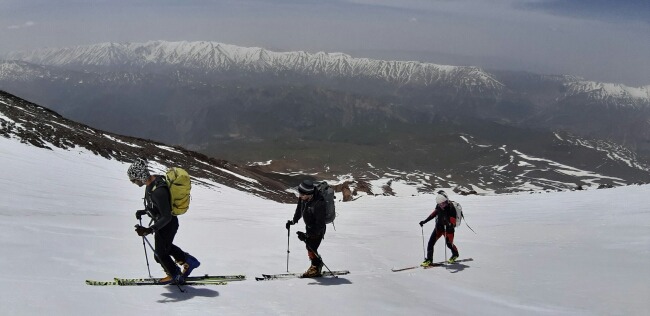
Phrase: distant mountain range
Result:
[209,57]
[335,115]
[219,58]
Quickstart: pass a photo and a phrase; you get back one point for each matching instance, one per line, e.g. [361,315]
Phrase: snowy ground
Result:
[68,216]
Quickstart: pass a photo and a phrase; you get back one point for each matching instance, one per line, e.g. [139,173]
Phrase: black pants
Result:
[165,248]
[312,243]
[449,239]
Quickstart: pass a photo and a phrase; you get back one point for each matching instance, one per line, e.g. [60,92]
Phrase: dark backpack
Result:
[328,195]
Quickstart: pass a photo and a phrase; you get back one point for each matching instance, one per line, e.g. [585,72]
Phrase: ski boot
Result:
[175,278]
[190,264]
[426,263]
[312,272]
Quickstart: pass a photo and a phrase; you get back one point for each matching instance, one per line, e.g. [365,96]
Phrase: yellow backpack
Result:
[179,184]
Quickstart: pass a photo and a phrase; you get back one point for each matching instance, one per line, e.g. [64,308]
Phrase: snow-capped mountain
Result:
[219,57]
[610,93]
[18,71]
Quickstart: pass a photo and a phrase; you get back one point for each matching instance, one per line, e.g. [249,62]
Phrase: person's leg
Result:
[435,235]
[164,241]
[312,243]
[450,244]
[182,258]
[176,252]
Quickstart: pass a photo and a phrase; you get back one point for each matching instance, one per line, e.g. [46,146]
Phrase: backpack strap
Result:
[159,182]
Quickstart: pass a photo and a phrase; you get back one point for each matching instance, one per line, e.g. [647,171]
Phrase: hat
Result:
[440,198]
[138,170]
[306,187]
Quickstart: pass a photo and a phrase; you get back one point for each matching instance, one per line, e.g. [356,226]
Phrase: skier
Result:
[445,214]
[311,207]
[157,203]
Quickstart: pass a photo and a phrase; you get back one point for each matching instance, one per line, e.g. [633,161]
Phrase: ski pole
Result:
[423,251]
[146,257]
[321,260]
[468,226]
[445,243]
[160,259]
[288,235]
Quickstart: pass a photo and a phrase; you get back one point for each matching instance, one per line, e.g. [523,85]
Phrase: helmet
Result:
[440,198]
[138,170]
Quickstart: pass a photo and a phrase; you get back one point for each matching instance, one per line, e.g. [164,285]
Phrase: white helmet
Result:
[440,198]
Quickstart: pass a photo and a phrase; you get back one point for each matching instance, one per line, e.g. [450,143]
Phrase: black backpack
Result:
[328,195]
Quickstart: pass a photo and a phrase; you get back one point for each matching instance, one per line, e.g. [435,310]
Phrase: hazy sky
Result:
[603,40]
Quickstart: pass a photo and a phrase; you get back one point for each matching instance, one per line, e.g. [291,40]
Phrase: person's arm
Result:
[431,216]
[161,199]
[298,214]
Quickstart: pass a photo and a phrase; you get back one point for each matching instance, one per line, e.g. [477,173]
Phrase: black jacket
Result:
[313,214]
[157,202]
[445,217]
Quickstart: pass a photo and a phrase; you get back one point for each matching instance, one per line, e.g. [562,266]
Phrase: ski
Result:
[206,277]
[152,282]
[281,276]
[198,282]
[445,263]
[433,265]
[403,269]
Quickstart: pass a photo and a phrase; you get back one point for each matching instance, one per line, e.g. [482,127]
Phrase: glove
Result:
[422,223]
[139,213]
[289,223]
[143,231]
[302,236]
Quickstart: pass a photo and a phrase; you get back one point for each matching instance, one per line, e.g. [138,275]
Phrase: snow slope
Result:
[67,216]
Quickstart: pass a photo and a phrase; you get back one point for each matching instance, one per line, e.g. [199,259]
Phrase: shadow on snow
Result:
[174,295]
[330,281]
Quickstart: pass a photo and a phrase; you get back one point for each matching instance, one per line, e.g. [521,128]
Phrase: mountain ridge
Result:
[46,129]
[212,56]
[215,56]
